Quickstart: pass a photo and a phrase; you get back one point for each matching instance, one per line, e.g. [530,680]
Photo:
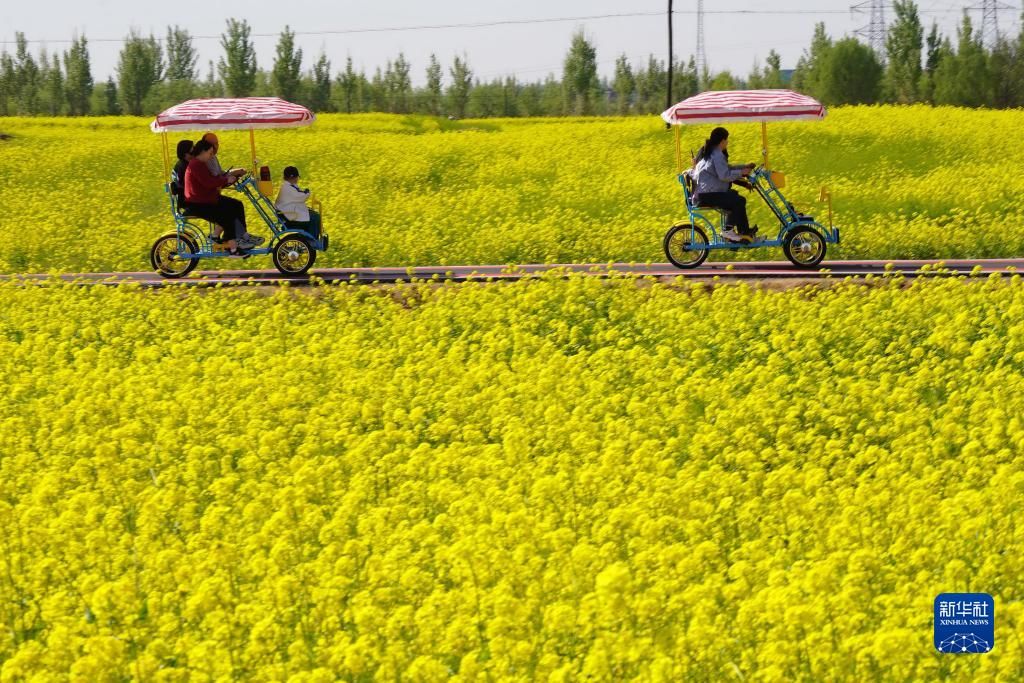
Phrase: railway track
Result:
[753,270]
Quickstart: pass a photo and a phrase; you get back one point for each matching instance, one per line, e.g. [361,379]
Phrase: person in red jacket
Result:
[203,198]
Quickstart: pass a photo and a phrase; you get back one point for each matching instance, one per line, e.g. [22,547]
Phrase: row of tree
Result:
[152,75]
[915,68]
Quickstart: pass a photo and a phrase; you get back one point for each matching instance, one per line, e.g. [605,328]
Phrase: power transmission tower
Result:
[990,10]
[702,55]
[874,32]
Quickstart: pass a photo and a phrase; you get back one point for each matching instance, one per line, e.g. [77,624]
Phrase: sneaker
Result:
[731,235]
[240,252]
[254,239]
[246,243]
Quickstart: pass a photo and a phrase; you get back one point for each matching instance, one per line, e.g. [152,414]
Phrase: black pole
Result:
[668,94]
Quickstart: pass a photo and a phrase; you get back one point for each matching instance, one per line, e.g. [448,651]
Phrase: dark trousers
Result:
[227,213]
[734,203]
[312,226]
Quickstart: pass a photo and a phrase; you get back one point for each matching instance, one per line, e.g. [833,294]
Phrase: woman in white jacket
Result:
[291,202]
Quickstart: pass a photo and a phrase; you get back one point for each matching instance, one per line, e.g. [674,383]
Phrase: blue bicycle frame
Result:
[264,208]
[761,181]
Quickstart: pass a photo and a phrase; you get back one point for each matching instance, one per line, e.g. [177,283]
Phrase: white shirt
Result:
[291,201]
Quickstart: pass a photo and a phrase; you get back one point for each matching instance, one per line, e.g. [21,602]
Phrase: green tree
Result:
[933,53]
[140,67]
[963,78]
[755,81]
[52,79]
[238,66]
[903,46]
[579,75]
[348,85]
[624,85]
[398,83]
[320,88]
[8,80]
[1002,64]
[851,74]
[286,78]
[773,70]
[181,65]
[810,76]
[433,91]
[461,85]
[26,78]
[723,80]
[651,83]
[685,83]
[78,83]
[111,100]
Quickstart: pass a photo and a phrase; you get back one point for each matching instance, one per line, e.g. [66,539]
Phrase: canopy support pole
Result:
[764,143]
[679,150]
[252,148]
[167,157]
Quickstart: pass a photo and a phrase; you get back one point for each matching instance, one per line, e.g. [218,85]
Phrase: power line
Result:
[504,22]
[875,31]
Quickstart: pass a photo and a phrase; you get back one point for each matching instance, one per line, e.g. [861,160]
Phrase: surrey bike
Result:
[175,254]
[803,239]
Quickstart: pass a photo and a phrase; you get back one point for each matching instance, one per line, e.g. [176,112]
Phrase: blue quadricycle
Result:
[803,239]
[292,246]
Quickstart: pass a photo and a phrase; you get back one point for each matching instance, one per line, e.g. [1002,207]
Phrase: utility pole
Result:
[875,30]
[702,55]
[668,94]
[990,10]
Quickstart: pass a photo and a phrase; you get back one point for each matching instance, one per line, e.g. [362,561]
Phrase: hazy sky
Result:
[530,51]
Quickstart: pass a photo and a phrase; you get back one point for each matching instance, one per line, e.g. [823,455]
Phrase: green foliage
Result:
[286,78]
[140,68]
[238,65]
[904,43]
[579,76]
[78,85]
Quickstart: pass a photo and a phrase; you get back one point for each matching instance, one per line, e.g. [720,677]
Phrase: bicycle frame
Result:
[264,209]
[762,183]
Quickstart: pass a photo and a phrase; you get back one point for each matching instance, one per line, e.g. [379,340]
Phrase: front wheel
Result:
[170,255]
[804,247]
[294,255]
[686,245]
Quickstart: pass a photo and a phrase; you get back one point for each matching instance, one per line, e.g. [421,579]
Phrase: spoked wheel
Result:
[294,255]
[169,255]
[805,247]
[686,245]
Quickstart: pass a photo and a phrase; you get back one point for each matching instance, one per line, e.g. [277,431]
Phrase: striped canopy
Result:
[743,106]
[241,113]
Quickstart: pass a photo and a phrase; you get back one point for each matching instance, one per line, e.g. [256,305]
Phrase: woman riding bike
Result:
[713,176]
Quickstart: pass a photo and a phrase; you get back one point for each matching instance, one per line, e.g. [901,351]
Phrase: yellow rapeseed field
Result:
[909,182]
[548,480]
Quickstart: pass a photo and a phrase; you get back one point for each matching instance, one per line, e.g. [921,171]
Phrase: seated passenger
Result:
[203,198]
[184,152]
[713,176]
[236,173]
[291,202]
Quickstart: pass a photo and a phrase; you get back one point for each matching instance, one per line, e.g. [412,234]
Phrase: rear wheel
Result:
[169,255]
[804,247]
[686,245]
[294,255]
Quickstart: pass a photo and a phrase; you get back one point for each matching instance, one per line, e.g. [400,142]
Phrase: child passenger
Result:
[291,202]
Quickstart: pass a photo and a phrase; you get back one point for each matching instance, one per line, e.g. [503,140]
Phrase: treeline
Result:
[152,75]
[917,68]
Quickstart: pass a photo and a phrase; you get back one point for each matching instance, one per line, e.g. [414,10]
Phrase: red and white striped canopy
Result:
[241,113]
[742,106]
